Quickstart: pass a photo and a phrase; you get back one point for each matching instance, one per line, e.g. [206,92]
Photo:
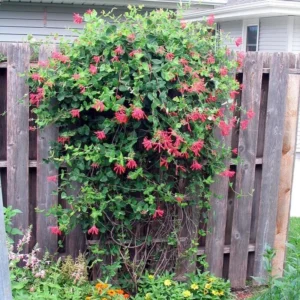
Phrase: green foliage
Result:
[9,213]
[199,286]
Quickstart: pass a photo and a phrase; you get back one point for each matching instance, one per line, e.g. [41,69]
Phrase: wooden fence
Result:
[239,228]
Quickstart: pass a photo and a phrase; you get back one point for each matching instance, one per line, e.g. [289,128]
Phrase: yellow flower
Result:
[111,293]
[148,296]
[186,294]
[194,286]
[103,298]
[88,298]
[221,293]
[215,293]
[211,279]
[208,286]
[167,282]
[151,277]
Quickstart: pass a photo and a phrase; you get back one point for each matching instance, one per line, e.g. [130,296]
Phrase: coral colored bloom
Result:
[89,12]
[36,76]
[158,213]
[187,69]
[99,106]
[75,113]
[77,18]
[52,178]
[197,146]
[82,89]
[225,128]
[131,37]
[134,52]
[198,87]
[121,117]
[250,114]
[76,76]
[210,20]
[164,163]
[126,296]
[196,166]
[233,94]
[119,169]
[115,58]
[244,124]
[100,135]
[180,168]
[32,128]
[95,165]
[96,59]
[131,164]
[223,71]
[183,24]
[55,230]
[93,230]
[183,61]
[147,144]
[63,139]
[235,151]
[93,69]
[119,50]
[138,114]
[43,64]
[210,60]
[170,56]
[238,41]
[227,173]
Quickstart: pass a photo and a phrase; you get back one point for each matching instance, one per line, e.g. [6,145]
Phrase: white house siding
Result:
[273,34]
[296,35]
[19,20]
[234,29]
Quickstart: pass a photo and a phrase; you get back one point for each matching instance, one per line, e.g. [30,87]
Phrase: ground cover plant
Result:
[137,102]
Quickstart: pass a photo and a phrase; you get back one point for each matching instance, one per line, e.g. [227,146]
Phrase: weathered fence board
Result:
[271,159]
[238,228]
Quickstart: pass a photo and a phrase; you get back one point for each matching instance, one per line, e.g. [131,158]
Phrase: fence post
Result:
[5,288]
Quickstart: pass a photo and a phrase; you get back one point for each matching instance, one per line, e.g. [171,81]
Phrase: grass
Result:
[294,234]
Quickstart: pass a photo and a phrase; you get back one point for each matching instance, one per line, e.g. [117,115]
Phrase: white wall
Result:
[273,34]
[296,35]
[234,29]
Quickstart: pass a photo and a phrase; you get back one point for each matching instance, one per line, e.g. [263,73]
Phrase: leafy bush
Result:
[199,286]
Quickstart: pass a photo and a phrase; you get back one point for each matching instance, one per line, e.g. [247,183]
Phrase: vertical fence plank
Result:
[271,158]
[17,131]
[245,171]
[286,172]
[45,199]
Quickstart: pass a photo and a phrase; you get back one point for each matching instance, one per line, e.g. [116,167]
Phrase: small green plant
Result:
[9,213]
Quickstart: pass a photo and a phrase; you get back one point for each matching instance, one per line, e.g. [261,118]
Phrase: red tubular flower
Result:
[198,87]
[180,168]
[36,77]
[223,71]
[93,69]
[43,63]
[183,61]
[210,60]
[187,69]
[121,116]
[75,113]
[250,114]
[93,230]
[227,173]
[99,106]
[147,144]
[76,76]
[211,98]
[52,178]
[179,199]
[32,128]
[164,163]
[89,12]
[82,89]
[235,151]
[119,50]
[96,59]
[77,18]
[95,165]
[115,58]
[134,52]
[100,135]
[196,166]
[138,114]
[233,94]
[158,213]
[238,41]
[131,164]
[63,139]
[183,24]
[197,146]
[131,37]
[55,230]
[119,169]
[210,20]
[244,124]
[170,56]
[225,128]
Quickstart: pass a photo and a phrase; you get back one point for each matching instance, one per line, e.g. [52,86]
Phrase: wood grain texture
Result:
[271,158]
[3,114]
[241,222]
[45,197]
[5,287]
[286,172]
[17,132]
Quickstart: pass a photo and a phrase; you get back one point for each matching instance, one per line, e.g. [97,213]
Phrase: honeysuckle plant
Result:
[137,101]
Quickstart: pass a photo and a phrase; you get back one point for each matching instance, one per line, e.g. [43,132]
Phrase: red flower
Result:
[183,24]
[210,20]
[161,50]
[250,114]
[196,166]
[228,51]
[164,163]
[170,56]
[115,58]
[77,18]
[244,124]
[43,64]
[131,37]
[232,122]
[52,178]
[223,71]
[119,169]
[238,41]
[93,230]
[235,151]
[147,144]
[198,87]
[36,77]
[232,107]
[89,12]
[82,89]
[179,199]
[131,164]
[32,128]
[242,86]
[75,113]
[134,52]
[55,230]
[119,50]
[225,128]
[197,146]
[63,139]
[121,116]
[96,59]
[100,135]
[76,76]
[95,165]
[180,168]
[138,114]
[233,94]
[211,98]
[99,105]
[227,173]
[210,59]
[183,61]
[187,69]
[93,69]
[158,213]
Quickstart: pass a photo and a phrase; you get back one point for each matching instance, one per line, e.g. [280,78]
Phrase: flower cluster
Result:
[105,291]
